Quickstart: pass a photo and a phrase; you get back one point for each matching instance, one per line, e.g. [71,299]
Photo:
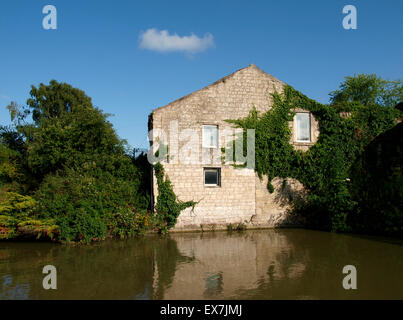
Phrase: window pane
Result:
[210,136]
[303,127]
[211,176]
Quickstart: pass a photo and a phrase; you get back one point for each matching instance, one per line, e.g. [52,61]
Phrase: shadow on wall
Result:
[290,195]
[278,209]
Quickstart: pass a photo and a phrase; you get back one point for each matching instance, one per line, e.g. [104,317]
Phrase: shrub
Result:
[18,218]
[85,202]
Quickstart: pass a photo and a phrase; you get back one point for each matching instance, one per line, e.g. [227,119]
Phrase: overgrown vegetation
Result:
[236,227]
[17,215]
[67,173]
[326,169]
[377,184]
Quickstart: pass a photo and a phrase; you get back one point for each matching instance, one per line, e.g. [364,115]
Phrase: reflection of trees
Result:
[109,270]
[18,261]
[166,259]
[275,264]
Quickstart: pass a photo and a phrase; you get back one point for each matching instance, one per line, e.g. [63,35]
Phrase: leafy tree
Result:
[67,130]
[83,176]
[56,100]
[368,89]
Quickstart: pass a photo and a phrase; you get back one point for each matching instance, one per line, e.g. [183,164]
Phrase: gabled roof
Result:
[222,80]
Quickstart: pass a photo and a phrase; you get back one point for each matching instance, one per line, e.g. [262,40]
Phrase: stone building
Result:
[194,130]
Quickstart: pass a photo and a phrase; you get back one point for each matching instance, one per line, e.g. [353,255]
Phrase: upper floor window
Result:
[303,127]
[210,136]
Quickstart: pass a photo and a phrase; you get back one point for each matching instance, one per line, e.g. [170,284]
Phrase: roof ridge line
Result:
[216,82]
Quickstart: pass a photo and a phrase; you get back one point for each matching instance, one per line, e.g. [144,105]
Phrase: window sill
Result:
[301,143]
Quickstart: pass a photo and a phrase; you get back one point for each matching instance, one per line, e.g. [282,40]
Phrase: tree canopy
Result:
[71,163]
[368,89]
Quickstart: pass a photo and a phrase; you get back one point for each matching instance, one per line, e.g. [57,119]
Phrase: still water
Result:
[260,264]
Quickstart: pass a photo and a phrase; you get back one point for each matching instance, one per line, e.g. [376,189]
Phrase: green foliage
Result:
[325,168]
[14,203]
[9,170]
[71,161]
[239,227]
[168,206]
[17,215]
[126,223]
[368,90]
[87,202]
[272,143]
[377,185]
[67,129]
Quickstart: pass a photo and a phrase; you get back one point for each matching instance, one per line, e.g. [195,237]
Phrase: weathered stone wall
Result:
[275,209]
[241,195]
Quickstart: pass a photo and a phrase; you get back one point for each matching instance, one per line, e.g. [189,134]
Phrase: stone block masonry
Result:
[240,197]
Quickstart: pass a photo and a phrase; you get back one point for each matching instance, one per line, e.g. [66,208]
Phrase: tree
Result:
[67,129]
[56,100]
[84,181]
[368,90]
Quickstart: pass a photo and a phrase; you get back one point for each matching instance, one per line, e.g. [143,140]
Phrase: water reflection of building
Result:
[224,265]
[259,264]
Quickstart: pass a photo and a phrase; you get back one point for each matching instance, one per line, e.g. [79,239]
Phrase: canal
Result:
[256,264]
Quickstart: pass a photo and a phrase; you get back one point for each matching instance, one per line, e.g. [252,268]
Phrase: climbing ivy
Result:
[168,207]
[324,169]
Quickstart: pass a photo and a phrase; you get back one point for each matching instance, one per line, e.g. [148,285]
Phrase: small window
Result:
[212,176]
[210,136]
[303,127]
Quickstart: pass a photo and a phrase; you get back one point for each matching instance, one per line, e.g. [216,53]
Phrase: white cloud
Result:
[5,97]
[162,41]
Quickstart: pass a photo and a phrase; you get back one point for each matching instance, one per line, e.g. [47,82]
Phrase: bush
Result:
[85,202]
[18,218]
[81,224]
[126,223]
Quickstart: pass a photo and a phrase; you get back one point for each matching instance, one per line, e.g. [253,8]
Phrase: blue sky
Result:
[96,48]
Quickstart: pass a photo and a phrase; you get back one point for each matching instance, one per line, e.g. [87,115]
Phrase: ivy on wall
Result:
[324,169]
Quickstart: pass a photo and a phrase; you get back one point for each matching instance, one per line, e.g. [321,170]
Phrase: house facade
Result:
[195,132]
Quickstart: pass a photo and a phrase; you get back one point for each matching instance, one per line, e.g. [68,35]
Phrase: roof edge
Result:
[217,82]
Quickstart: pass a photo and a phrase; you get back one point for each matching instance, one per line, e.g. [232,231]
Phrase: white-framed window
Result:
[302,127]
[212,177]
[210,136]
